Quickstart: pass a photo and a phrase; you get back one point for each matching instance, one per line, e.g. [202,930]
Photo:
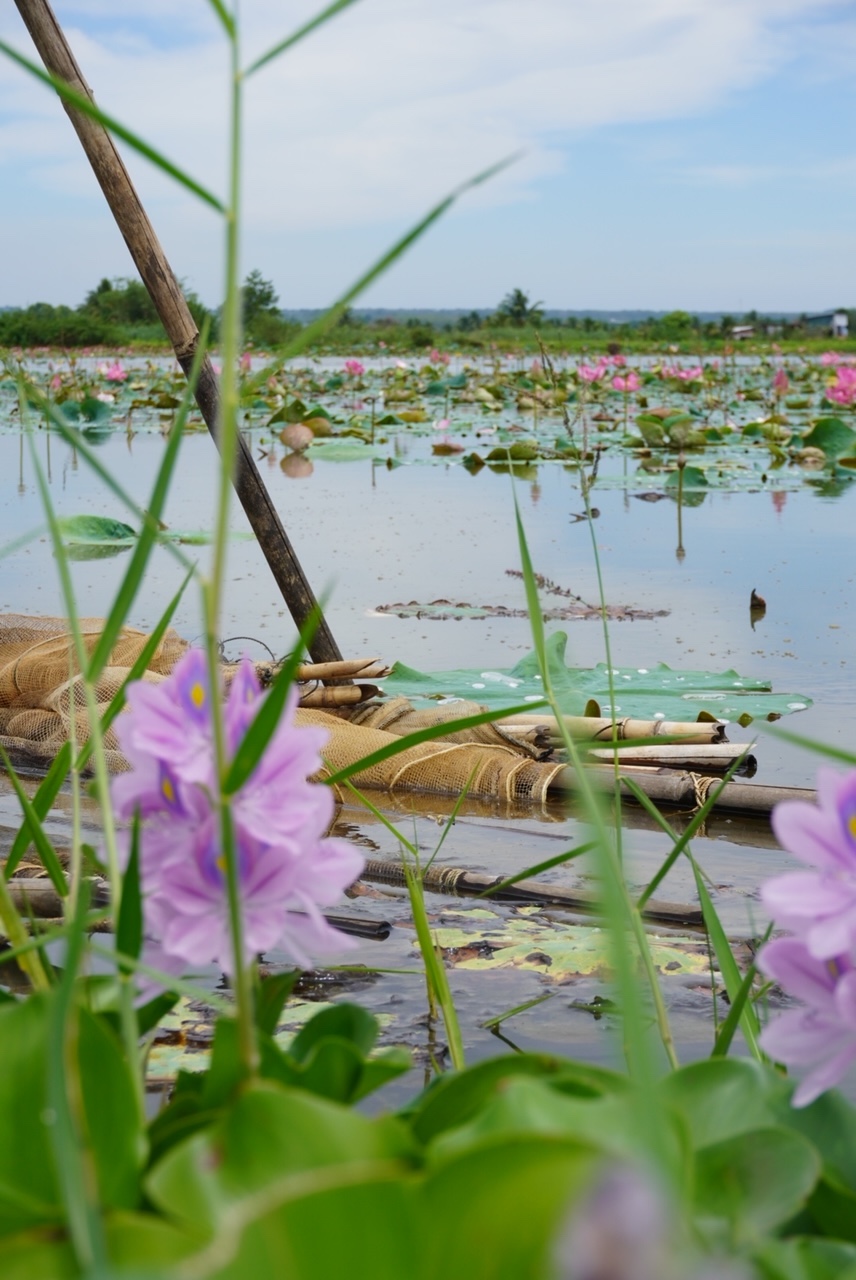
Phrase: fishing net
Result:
[42,705]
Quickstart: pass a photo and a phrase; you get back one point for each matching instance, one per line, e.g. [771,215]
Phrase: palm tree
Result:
[516,309]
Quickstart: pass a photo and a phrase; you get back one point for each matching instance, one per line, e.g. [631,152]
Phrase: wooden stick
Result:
[165,292]
[458,880]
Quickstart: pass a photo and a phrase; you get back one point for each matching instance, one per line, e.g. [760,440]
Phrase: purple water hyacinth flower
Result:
[818,905]
[822,1034]
[287,870]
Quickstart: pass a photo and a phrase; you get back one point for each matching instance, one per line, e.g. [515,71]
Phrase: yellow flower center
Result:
[197,694]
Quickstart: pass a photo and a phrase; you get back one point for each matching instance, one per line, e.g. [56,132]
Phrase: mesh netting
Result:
[42,701]
[42,705]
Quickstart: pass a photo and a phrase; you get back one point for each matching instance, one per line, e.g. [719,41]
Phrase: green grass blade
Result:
[44,848]
[727,1029]
[680,842]
[150,530]
[227,20]
[81,102]
[536,622]
[52,782]
[809,744]
[47,792]
[559,860]
[129,927]
[384,820]
[518,1008]
[425,735]
[67,1132]
[434,968]
[731,975]
[73,438]
[450,821]
[320,18]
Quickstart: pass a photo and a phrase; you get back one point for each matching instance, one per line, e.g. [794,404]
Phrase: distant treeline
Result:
[120,313]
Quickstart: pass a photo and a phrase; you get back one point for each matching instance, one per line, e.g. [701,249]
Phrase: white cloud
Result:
[390,105]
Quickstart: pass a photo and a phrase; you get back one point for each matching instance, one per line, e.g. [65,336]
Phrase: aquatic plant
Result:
[259,1164]
[287,871]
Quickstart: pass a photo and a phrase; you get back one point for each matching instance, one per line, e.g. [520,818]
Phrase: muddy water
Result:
[369,535]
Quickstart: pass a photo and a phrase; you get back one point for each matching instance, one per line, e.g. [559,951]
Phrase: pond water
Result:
[390,521]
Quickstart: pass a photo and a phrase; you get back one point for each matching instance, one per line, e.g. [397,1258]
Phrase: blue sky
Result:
[676,153]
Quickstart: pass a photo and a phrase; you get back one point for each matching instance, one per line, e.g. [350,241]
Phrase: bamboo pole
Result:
[714,757]
[601,728]
[684,789]
[165,292]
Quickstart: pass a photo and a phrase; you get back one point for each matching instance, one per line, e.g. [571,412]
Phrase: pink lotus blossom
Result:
[629,382]
[245,363]
[830,357]
[683,375]
[354,368]
[113,372]
[619,360]
[55,382]
[591,373]
[781,382]
[439,357]
[287,870]
[843,390]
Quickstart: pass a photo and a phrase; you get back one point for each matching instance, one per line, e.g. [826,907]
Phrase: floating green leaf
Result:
[659,692]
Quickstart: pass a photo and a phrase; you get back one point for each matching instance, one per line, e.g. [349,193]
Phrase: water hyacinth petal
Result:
[826,1076]
[789,962]
[287,869]
[813,835]
[802,895]
[308,934]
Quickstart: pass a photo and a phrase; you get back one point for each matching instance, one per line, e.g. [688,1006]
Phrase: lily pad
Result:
[658,692]
[557,952]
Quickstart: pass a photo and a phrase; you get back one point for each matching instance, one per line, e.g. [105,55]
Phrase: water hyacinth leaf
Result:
[344,1021]
[660,692]
[722,1097]
[454,1099]
[29,1192]
[267,1134]
[754,1181]
[805,1258]
[495,1210]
